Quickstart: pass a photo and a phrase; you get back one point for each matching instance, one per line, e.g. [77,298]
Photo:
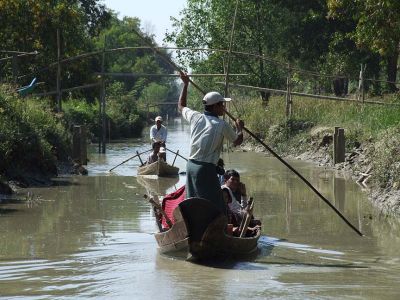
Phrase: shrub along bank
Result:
[34,139]
[372,138]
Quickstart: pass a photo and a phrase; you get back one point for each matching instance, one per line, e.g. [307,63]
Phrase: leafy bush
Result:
[125,118]
[31,137]
[79,112]
[386,162]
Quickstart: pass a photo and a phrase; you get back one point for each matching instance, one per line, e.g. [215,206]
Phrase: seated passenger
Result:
[235,197]
[161,154]
[153,157]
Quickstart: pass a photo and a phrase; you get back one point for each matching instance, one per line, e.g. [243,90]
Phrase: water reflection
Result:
[339,193]
[159,186]
[92,237]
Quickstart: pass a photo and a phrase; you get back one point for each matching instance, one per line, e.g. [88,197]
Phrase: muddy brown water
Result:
[92,237]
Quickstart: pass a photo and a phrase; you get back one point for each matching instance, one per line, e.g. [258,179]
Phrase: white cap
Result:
[214,97]
[158,118]
[162,150]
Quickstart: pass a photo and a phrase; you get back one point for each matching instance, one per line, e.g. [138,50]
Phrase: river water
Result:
[92,237]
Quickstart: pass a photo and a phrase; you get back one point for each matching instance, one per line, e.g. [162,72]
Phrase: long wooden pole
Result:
[230,51]
[129,159]
[265,145]
[103,100]
[301,177]
[283,92]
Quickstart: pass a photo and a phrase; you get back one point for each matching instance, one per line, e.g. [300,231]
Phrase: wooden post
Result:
[361,90]
[59,108]
[227,69]
[339,195]
[288,95]
[363,84]
[103,102]
[15,67]
[76,144]
[109,131]
[79,147]
[341,145]
[83,145]
[339,148]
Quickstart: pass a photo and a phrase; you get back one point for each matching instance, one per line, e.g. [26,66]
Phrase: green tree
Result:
[32,25]
[377,28]
[121,34]
[153,94]
[208,24]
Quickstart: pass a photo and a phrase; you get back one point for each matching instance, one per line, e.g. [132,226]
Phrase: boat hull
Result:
[200,230]
[159,168]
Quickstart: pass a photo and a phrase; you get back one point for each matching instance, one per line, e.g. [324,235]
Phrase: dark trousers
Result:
[202,182]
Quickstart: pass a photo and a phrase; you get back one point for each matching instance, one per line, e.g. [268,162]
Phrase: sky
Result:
[154,14]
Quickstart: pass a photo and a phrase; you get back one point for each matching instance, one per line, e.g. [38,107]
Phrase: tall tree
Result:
[208,24]
[378,28]
[32,25]
[122,34]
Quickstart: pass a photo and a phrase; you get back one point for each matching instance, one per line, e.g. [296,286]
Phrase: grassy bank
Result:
[372,129]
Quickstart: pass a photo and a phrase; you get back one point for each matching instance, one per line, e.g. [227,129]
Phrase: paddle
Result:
[137,154]
[168,60]
[156,204]
[176,153]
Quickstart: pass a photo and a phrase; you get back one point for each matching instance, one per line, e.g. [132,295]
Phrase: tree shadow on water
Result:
[5,211]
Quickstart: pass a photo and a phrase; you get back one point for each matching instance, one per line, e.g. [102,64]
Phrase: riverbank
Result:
[362,163]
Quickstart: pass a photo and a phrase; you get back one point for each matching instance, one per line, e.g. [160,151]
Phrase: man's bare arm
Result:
[183,96]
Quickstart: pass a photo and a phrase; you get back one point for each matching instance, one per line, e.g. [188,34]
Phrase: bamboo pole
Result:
[283,92]
[237,53]
[288,95]
[17,54]
[226,90]
[103,101]
[81,87]
[301,177]
[163,75]
[15,68]
[59,108]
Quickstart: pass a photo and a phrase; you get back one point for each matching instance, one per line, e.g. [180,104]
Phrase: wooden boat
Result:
[159,168]
[200,230]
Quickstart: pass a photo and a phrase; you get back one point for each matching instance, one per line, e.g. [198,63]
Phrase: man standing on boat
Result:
[158,134]
[207,132]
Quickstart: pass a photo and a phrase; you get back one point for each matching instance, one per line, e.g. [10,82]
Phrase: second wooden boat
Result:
[159,168]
